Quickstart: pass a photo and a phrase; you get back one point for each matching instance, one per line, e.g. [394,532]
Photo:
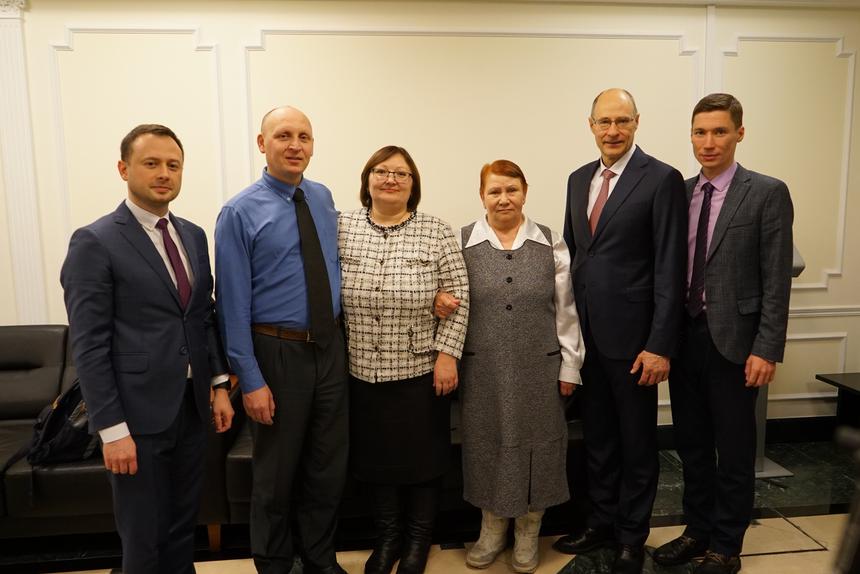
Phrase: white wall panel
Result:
[457,101]
[110,80]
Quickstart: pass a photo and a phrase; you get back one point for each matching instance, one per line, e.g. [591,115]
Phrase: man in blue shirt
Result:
[293,380]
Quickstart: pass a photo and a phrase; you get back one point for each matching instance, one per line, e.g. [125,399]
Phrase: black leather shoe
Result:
[680,551]
[718,564]
[589,539]
[629,560]
[336,569]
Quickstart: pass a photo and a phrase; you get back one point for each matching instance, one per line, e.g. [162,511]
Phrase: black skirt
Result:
[400,431]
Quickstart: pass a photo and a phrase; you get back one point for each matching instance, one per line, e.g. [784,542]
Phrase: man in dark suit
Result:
[138,292]
[625,228]
[739,281]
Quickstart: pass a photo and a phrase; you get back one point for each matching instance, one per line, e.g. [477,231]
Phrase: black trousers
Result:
[619,424]
[300,461]
[156,509]
[715,434]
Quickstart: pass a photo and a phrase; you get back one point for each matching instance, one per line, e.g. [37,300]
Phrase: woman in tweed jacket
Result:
[402,360]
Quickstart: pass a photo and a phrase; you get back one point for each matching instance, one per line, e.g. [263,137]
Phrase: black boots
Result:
[422,501]
[386,518]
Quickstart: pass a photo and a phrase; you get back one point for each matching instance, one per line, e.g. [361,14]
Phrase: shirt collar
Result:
[483,232]
[722,181]
[277,185]
[622,162]
[144,217]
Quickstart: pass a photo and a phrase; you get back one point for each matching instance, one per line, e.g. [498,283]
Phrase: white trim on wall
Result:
[68,46]
[840,52]
[19,171]
[260,46]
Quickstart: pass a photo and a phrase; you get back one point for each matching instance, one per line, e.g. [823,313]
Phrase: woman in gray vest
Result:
[523,351]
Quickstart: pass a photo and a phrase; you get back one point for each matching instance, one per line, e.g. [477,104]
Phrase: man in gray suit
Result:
[739,280]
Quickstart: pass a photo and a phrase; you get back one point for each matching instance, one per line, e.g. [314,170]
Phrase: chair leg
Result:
[214,532]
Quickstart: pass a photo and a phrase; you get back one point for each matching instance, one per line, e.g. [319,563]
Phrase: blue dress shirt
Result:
[258,266]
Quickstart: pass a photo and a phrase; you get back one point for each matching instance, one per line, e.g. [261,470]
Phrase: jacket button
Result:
[376,318]
[183,350]
[509,307]
[509,256]
[509,279]
[591,253]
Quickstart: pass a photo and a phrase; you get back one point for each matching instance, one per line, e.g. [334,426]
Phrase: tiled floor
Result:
[805,545]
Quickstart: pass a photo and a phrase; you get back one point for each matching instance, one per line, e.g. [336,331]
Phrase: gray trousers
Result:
[300,461]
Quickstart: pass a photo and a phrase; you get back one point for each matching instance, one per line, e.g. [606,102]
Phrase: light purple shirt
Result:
[718,196]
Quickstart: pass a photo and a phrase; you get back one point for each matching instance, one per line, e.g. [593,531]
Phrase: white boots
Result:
[526,533]
[491,543]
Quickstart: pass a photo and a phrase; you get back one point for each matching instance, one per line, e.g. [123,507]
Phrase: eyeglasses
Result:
[382,174]
[623,124]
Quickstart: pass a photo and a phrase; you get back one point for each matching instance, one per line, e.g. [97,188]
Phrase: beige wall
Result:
[458,84]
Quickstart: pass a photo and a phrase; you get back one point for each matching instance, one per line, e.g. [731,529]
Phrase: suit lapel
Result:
[134,233]
[582,186]
[628,180]
[738,189]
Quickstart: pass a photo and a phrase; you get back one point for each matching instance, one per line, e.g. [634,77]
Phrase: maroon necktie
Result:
[601,199]
[696,296]
[182,283]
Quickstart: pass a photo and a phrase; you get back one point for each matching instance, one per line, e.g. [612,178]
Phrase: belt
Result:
[287,334]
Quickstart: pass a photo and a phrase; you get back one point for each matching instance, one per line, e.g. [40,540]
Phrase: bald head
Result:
[613,122]
[287,139]
[282,112]
[615,94]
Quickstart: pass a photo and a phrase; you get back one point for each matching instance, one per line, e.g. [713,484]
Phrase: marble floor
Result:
[799,545]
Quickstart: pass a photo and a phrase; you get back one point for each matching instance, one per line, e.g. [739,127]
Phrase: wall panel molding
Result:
[845,160]
[68,46]
[19,170]
[684,49]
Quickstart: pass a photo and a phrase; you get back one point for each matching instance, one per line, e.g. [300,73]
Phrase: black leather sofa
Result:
[73,498]
[68,498]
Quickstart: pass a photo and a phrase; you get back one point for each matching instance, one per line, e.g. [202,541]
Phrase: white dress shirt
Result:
[597,180]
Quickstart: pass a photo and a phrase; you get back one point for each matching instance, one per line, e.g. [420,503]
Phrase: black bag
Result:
[60,432]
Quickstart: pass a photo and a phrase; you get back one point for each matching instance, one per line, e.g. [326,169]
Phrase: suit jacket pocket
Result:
[749,305]
[130,362]
[741,222]
[642,293]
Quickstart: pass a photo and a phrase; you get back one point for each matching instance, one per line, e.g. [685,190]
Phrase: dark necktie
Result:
[182,283]
[316,275]
[602,196]
[695,299]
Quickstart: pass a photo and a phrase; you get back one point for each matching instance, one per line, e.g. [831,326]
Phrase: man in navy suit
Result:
[138,291]
[739,282]
[625,227]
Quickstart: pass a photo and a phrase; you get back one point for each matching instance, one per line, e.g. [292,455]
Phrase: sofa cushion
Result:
[32,358]
[67,489]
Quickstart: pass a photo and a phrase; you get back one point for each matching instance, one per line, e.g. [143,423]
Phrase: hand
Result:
[222,410]
[445,374]
[444,304]
[260,405]
[655,368]
[759,371]
[120,456]
[566,389]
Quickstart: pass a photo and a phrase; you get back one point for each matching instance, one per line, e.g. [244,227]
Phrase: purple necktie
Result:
[696,296]
[601,199]
[182,283]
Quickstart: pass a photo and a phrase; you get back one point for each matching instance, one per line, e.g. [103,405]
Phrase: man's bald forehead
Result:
[282,110]
[618,92]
